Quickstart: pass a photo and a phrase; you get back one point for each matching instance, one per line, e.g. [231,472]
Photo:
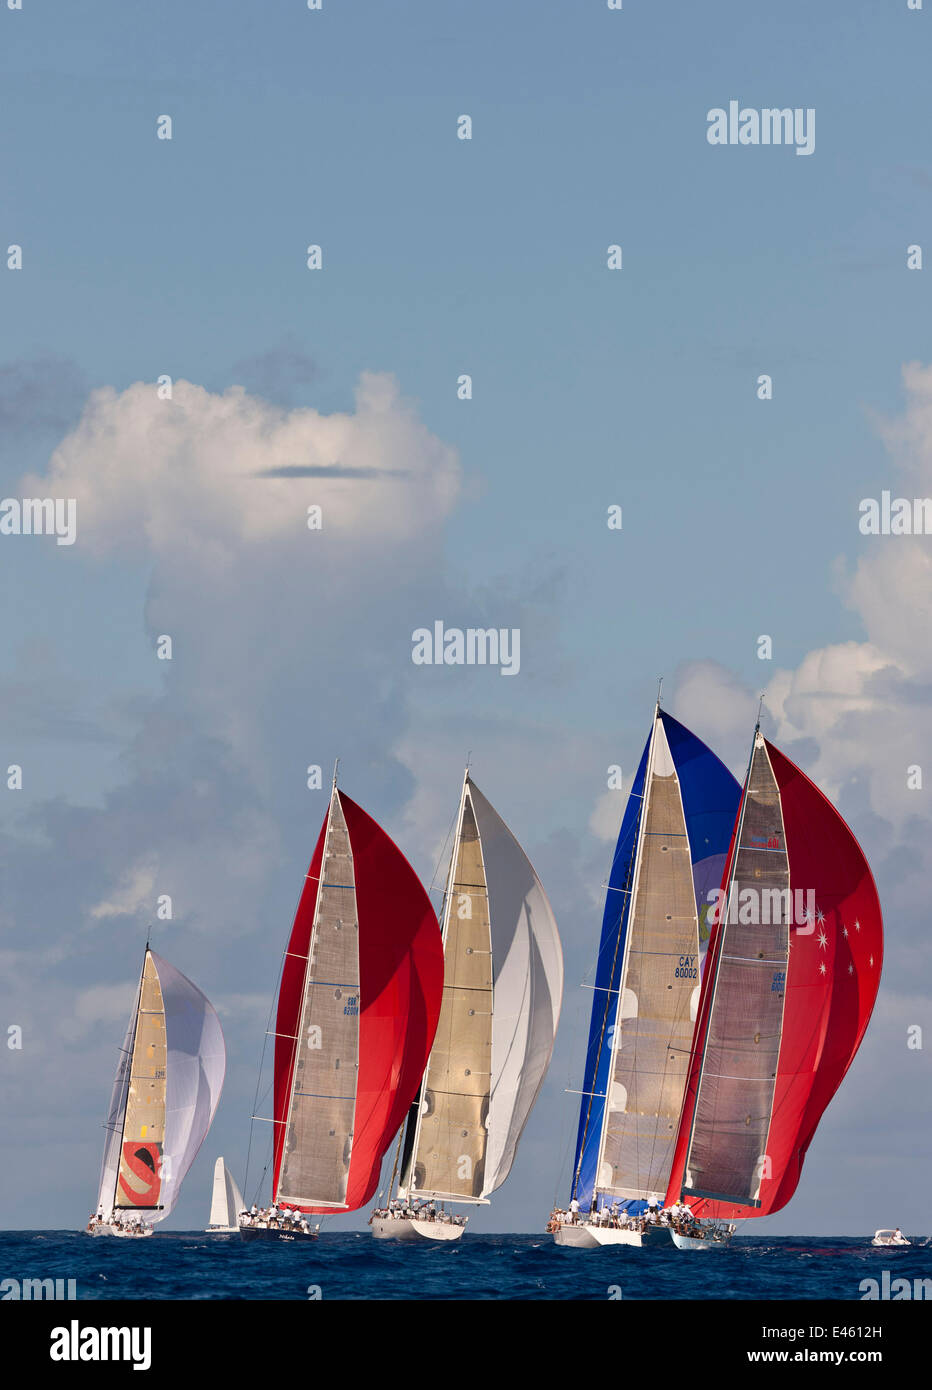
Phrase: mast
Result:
[410,1133]
[127,1063]
[714,959]
[406,1183]
[616,1034]
[620,934]
[329,1035]
[746,953]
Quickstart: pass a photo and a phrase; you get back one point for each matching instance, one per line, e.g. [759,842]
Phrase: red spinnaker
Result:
[401,985]
[833,974]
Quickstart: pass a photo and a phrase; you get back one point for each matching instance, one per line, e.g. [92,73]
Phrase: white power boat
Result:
[887,1238]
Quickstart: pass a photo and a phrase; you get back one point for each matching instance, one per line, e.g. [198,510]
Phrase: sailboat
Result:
[358,1004]
[795,945]
[670,852]
[226,1202]
[794,968]
[503,985]
[166,1091]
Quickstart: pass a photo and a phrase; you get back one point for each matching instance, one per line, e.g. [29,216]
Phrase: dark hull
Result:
[267,1233]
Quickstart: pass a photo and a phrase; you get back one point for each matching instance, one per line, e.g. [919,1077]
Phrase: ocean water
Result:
[179,1265]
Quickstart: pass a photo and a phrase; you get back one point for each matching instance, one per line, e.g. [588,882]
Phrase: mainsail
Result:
[503,984]
[167,1087]
[795,964]
[672,846]
[357,1012]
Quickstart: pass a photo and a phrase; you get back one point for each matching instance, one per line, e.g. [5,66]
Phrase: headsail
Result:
[167,1088]
[503,986]
[786,1001]
[226,1200]
[672,843]
[357,1012]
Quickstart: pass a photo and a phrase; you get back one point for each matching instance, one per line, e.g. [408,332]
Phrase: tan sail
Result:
[140,1173]
[319,1137]
[450,1147]
[659,986]
[728,1148]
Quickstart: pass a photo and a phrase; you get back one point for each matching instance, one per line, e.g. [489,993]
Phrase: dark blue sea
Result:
[489,1267]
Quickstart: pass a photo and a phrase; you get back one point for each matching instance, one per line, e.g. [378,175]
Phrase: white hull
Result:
[578,1236]
[653,1235]
[108,1229]
[404,1228]
[221,1230]
[891,1244]
[589,1237]
[692,1243]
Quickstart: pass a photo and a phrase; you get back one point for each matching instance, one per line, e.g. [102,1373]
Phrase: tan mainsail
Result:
[659,982]
[450,1148]
[728,1146]
[319,1133]
[140,1173]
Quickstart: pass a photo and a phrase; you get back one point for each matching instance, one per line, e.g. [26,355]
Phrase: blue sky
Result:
[591,387]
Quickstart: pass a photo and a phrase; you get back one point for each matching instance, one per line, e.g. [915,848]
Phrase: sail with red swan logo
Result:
[358,1005]
[166,1091]
[785,1002]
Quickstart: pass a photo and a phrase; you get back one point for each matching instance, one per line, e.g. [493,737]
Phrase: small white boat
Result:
[408,1228]
[890,1238]
[226,1203]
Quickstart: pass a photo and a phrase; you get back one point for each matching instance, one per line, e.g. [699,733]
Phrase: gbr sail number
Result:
[686,970]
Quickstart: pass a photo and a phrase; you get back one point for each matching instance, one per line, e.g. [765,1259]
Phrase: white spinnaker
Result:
[196,1062]
[527,964]
[114,1140]
[226,1200]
